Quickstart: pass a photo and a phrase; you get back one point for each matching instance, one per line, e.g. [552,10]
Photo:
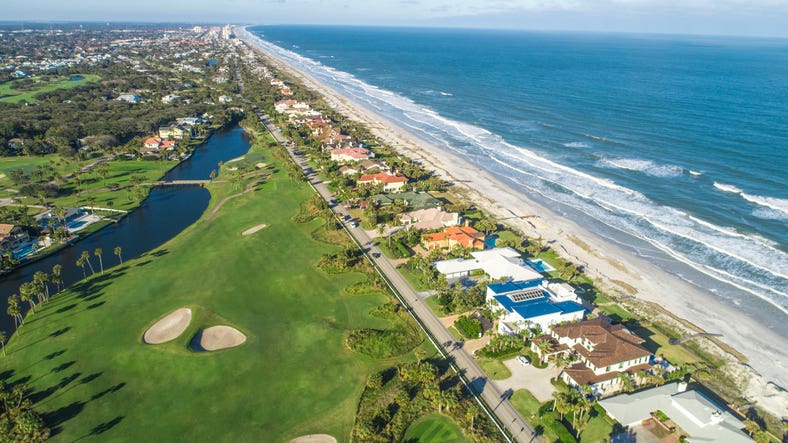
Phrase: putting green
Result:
[434,428]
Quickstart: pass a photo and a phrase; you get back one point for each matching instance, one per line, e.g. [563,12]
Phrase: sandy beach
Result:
[616,270]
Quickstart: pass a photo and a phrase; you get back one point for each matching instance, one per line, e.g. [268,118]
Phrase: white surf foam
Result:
[713,250]
[645,166]
[577,145]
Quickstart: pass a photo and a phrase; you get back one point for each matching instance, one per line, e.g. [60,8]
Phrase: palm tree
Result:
[56,276]
[2,341]
[26,294]
[85,255]
[97,252]
[81,263]
[43,282]
[118,250]
[14,311]
[751,427]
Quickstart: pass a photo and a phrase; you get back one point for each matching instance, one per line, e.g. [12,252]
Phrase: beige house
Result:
[431,218]
[12,237]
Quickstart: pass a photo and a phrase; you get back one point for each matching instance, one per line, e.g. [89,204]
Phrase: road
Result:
[496,401]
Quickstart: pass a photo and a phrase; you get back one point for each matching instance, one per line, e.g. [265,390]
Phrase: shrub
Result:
[469,327]
[501,345]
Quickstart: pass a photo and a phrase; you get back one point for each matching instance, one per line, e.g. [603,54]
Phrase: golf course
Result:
[93,377]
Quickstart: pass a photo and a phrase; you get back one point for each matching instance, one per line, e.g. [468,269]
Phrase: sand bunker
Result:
[169,327]
[315,438]
[216,338]
[259,165]
[254,229]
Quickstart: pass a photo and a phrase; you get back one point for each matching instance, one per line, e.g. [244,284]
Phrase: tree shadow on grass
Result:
[59,416]
[95,305]
[38,396]
[60,331]
[109,390]
[66,308]
[106,426]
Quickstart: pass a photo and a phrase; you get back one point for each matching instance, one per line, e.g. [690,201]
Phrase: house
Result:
[153,146]
[277,82]
[348,170]
[498,263]
[167,99]
[12,237]
[286,91]
[430,218]
[391,182]
[463,236]
[372,165]
[175,132]
[526,304]
[604,351]
[413,200]
[190,121]
[130,98]
[350,154]
[224,99]
[699,418]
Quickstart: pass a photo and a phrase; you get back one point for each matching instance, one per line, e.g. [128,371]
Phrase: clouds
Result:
[748,17]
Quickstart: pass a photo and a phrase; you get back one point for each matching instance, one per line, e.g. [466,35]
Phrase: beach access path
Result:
[496,401]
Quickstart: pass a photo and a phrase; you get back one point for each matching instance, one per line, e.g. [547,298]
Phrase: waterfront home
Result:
[11,236]
[430,218]
[604,352]
[176,132]
[129,98]
[373,166]
[153,146]
[697,417]
[350,154]
[391,182]
[497,263]
[286,91]
[277,82]
[190,121]
[462,236]
[530,303]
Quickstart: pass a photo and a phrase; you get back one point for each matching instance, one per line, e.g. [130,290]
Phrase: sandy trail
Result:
[606,262]
[169,327]
[314,438]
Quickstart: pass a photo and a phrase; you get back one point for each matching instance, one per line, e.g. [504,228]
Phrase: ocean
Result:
[673,147]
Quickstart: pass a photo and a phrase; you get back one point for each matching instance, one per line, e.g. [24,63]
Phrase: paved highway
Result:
[495,401]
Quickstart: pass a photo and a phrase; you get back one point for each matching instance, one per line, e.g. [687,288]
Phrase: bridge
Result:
[179,183]
[678,341]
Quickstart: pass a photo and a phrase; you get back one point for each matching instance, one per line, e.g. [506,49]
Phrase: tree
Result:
[420,354]
[81,263]
[86,256]
[2,341]
[56,277]
[118,250]
[14,311]
[535,246]
[27,293]
[486,226]
[97,252]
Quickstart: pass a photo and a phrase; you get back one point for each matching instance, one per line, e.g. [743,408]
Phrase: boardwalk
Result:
[179,183]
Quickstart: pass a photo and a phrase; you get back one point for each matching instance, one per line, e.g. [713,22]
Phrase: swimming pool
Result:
[76,224]
[540,265]
[24,251]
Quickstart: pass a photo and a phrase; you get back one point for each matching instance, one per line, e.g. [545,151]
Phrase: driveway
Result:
[536,380]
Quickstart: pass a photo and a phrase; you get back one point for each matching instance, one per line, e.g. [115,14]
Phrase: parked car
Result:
[523,360]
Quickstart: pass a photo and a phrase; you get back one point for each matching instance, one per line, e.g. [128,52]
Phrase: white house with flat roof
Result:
[530,303]
[497,263]
[700,419]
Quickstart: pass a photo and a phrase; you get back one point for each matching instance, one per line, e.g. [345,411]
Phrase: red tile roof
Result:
[382,177]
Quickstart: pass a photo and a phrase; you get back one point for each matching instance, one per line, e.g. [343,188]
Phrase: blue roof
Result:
[511,286]
[538,307]
[569,306]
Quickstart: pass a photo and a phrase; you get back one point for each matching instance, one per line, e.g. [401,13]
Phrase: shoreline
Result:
[615,269]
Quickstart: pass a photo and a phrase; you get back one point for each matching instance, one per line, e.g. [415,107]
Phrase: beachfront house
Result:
[698,418]
[430,218]
[526,304]
[462,236]
[350,154]
[604,352]
[391,182]
[497,263]
[12,237]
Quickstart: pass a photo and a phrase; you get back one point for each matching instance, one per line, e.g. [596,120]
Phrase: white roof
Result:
[497,263]
[692,411]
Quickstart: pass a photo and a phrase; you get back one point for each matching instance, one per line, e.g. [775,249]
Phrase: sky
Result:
[767,18]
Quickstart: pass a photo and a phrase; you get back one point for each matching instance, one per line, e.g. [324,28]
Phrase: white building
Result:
[530,303]
[497,263]
[700,419]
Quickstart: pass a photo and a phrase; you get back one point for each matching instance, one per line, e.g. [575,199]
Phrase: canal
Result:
[162,216]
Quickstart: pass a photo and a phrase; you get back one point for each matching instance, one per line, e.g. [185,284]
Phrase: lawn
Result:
[91,376]
[434,428]
[10,95]
[494,368]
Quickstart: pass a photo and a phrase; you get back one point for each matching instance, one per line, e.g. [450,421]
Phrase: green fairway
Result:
[16,95]
[434,428]
[93,379]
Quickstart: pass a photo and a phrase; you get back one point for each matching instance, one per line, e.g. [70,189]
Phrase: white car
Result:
[523,360]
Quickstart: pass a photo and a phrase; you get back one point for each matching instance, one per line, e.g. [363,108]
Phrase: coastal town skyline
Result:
[760,18]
